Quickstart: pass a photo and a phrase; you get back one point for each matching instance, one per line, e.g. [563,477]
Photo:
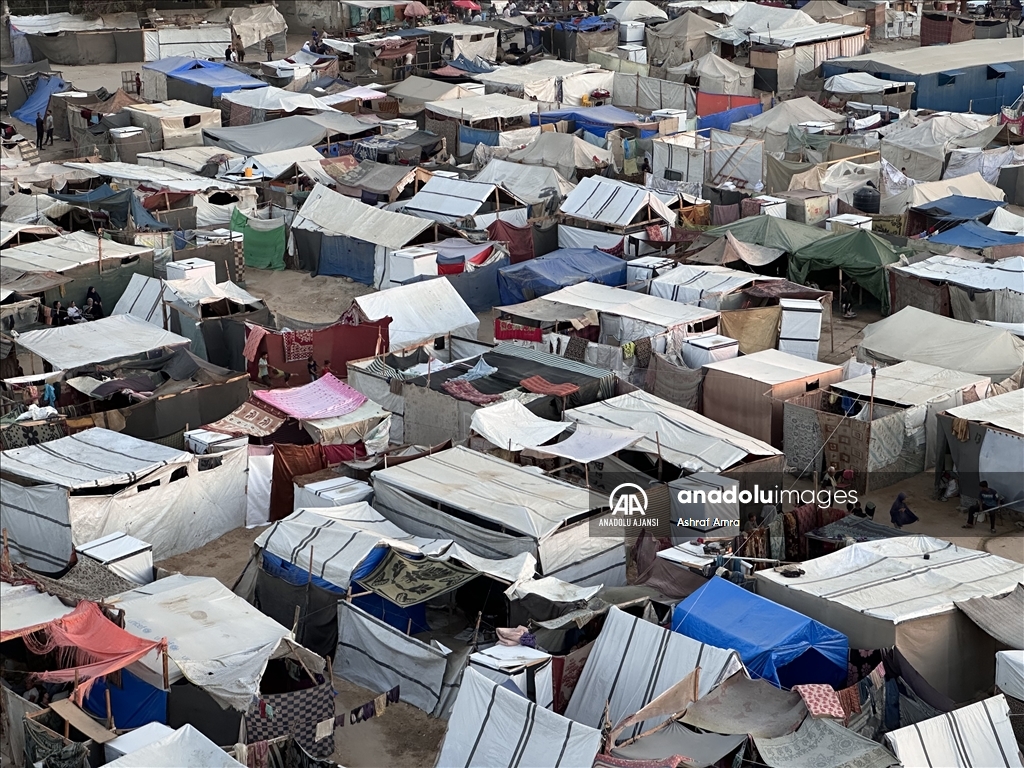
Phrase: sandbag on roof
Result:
[491,725]
[914,334]
[420,312]
[186,746]
[564,152]
[1002,617]
[633,661]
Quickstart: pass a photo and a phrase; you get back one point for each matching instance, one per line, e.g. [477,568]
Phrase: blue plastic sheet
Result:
[971,234]
[567,266]
[134,702]
[724,120]
[342,256]
[959,208]
[474,136]
[776,643]
[117,205]
[467,65]
[596,120]
[39,100]
[216,76]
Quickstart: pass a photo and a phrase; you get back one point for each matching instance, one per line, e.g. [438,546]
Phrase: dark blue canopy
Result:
[538,277]
[972,234]
[215,75]
[36,104]
[778,644]
[597,120]
[959,208]
[117,205]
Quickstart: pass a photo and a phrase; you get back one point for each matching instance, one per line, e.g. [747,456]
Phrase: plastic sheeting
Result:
[512,427]
[563,152]
[1010,673]
[39,99]
[987,162]
[773,126]
[736,159]
[476,108]
[528,280]
[971,185]
[615,203]
[535,183]
[922,149]
[186,746]
[420,312]
[24,608]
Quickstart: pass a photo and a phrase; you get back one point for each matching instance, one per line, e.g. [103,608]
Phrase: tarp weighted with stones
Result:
[263,240]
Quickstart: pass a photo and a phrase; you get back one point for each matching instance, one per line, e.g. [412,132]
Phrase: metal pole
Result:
[871,416]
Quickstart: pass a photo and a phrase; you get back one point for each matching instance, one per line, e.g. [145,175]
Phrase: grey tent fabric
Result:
[1002,617]
[701,749]
[744,706]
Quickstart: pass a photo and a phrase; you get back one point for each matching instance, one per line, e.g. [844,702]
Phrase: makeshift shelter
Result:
[772,127]
[566,153]
[920,151]
[186,746]
[824,742]
[533,184]
[369,180]
[859,254]
[419,312]
[617,206]
[414,92]
[978,734]
[966,290]
[39,98]
[456,201]
[973,234]
[596,120]
[770,232]
[917,335]
[747,393]
[539,80]
[852,591]
[199,81]
[567,266]
[463,40]
[678,436]
[545,517]
[221,649]
[26,609]
[288,133]
[1003,618]
[633,661]
[173,124]
[636,9]
[709,285]
[728,250]
[868,89]
[474,109]
[992,452]
[775,643]
[259,105]
[77,489]
[683,39]
[830,11]
[336,235]
[715,75]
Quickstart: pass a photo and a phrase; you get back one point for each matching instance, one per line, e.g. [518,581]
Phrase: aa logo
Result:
[628,499]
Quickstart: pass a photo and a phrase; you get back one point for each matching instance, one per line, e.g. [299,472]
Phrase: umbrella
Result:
[416,9]
[469,5]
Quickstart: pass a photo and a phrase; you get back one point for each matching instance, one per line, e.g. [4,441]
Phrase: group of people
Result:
[92,310]
[44,129]
[315,371]
[236,51]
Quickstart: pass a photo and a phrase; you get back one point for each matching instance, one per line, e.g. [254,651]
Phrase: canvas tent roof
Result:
[829,10]
[188,159]
[752,18]
[918,335]
[274,99]
[216,640]
[858,82]
[633,661]
[771,232]
[613,203]
[771,639]
[565,152]
[981,276]
[420,312]
[1005,411]
[542,69]
[911,383]
[285,133]
[861,577]
[771,367]
[793,36]
[72,346]
[508,495]
[1002,617]
[683,437]
[971,185]
[448,200]
[186,746]
[726,250]
[475,108]
[487,718]
[927,60]
[94,458]
[630,304]
[419,90]
[978,734]
[631,10]
[56,254]
[379,178]
[327,211]
[270,165]
[779,118]
[717,75]
[703,284]
[52,23]
[23,608]
[529,182]
[934,138]
[1006,221]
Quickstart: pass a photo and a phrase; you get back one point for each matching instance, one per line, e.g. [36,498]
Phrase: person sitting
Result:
[75,314]
[89,310]
[900,513]
[987,504]
[854,508]
[948,487]
[58,315]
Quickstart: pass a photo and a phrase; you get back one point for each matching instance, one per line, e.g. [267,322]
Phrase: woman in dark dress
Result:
[900,513]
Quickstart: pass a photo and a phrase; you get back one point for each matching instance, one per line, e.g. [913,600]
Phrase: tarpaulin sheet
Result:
[263,240]
[519,239]
[755,329]
[346,257]
[24,609]
[117,205]
[324,398]
[597,120]
[724,120]
[521,282]
[291,461]
[775,642]
[216,76]
[38,101]
[741,705]
[971,234]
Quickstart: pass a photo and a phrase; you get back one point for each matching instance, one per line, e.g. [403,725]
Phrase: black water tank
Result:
[867,199]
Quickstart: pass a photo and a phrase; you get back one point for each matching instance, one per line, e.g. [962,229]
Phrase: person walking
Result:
[239,49]
[899,512]
[48,123]
[40,127]
[312,368]
[269,48]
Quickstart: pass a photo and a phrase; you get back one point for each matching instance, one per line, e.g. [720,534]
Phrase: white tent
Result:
[681,437]
[922,149]
[548,518]
[186,159]
[564,152]
[1003,275]
[978,734]
[1006,221]
[533,183]
[450,201]
[172,124]
[54,506]
[854,591]
[186,746]
[1010,673]
[538,80]
[633,661]
[971,185]
[773,126]
[269,165]
[631,10]
[413,92]
[25,607]
[74,249]
[488,107]
[420,312]
[491,725]
[716,75]
[923,337]
[1002,411]
[273,99]
[682,39]
[615,203]
[705,285]
[216,640]
[859,82]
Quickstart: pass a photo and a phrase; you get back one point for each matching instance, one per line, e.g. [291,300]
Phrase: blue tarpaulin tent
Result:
[959,208]
[37,102]
[776,643]
[215,75]
[567,266]
[972,234]
[723,120]
[596,120]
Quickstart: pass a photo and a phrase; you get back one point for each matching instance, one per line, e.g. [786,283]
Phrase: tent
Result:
[852,591]
[772,127]
[971,185]
[286,133]
[336,235]
[1010,677]
[39,100]
[566,153]
[491,725]
[914,334]
[615,204]
[77,489]
[771,232]
[727,250]
[419,312]
[1005,221]
[633,661]
[538,81]
[1001,617]
[747,393]
[978,734]
[596,120]
[682,39]
[703,285]
[173,124]
[969,290]
[529,279]
[920,151]
[186,746]
[500,510]
[715,74]
[263,100]
[860,254]
[380,182]
[200,81]
[534,183]
[473,109]
[681,437]
[24,609]
[973,234]
[823,743]
[122,208]
[455,201]
[413,92]
[831,11]
[775,643]
[631,10]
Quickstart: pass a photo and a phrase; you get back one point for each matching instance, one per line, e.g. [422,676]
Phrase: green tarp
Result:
[860,254]
[263,240]
[778,173]
[771,232]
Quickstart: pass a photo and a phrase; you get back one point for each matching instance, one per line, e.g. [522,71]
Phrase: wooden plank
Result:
[71,712]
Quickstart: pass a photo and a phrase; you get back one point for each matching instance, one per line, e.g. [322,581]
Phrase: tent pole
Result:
[871,416]
[167,684]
